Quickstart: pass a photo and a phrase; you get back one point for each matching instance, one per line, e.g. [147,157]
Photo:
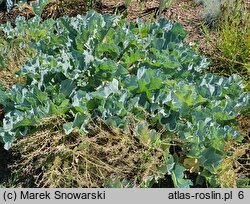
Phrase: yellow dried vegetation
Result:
[86,160]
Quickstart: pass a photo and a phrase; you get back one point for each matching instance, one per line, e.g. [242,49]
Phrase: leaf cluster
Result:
[99,66]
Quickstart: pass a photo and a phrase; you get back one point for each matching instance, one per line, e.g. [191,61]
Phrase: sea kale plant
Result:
[100,66]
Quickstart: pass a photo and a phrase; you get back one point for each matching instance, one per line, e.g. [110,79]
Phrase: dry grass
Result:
[13,59]
[77,160]
[55,9]
[234,166]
